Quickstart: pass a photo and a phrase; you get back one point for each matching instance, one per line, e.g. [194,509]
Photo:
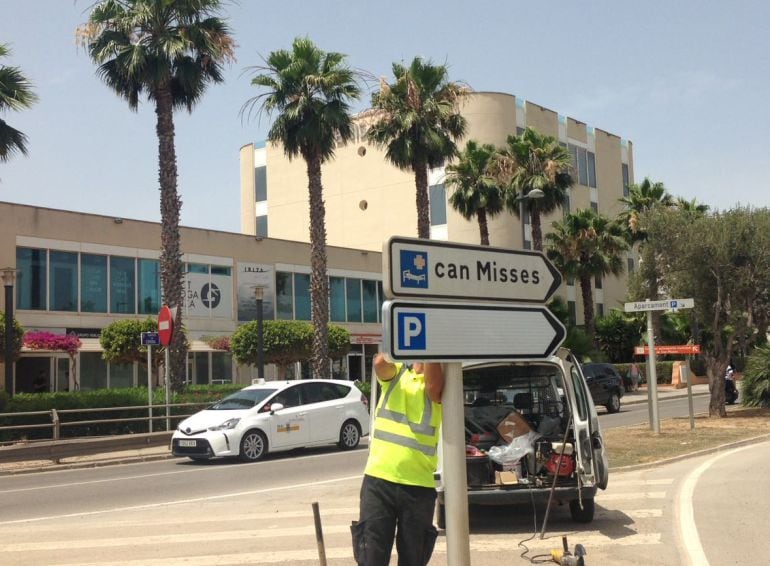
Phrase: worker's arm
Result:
[384,368]
[434,381]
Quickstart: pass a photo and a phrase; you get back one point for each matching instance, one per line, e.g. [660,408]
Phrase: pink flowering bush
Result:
[42,340]
[218,342]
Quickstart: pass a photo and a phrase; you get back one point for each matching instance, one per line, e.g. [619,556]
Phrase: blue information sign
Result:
[150,339]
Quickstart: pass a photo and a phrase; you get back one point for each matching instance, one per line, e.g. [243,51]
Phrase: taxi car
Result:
[274,416]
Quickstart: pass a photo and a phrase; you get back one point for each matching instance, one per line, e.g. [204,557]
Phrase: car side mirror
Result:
[275,407]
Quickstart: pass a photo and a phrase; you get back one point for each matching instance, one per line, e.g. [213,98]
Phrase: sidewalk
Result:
[164,452]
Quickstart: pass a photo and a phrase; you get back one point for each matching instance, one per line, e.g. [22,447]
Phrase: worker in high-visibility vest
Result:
[398,494]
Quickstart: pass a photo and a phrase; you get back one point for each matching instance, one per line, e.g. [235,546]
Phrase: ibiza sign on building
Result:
[251,276]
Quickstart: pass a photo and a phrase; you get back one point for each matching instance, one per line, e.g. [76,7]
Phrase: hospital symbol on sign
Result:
[414,269]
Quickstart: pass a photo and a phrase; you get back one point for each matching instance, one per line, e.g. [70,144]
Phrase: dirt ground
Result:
[628,446]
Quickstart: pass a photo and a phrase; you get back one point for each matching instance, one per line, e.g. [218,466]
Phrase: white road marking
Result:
[199,468]
[643,513]
[633,483]
[181,501]
[503,543]
[604,496]
[688,530]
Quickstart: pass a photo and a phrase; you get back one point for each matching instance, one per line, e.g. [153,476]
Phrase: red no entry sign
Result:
[165,325]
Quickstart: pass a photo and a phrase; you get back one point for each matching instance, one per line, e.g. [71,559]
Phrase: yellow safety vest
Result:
[406,432]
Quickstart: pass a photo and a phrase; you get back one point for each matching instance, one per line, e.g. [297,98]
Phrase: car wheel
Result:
[350,435]
[584,515]
[440,516]
[613,403]
[253,446]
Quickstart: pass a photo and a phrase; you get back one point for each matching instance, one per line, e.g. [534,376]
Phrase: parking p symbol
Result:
[411,330]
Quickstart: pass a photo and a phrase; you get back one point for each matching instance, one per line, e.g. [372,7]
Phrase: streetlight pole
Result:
[533,194]
[259,293]
[9,276]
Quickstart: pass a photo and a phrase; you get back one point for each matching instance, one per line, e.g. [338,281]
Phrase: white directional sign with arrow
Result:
[444,270]
[462,331]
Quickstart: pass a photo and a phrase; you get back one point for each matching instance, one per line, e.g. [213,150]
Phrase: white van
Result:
[526,422]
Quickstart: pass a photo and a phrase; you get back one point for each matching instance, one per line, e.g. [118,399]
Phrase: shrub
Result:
[663,371]
[756,378]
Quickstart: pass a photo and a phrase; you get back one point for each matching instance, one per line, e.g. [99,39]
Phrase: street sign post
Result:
[649,306]
[446,270]
[166,331]
[466,331]
[150,339]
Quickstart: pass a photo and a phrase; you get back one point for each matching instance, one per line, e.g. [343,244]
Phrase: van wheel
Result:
[350,435]
[584,515]
[613,403]
[441,515]
[253,446]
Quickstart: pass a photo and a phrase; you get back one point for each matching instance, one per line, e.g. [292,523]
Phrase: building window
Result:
[122,285]
[200,368]
[337,299]
[93,283]
[301,296]
[437,196]
[571,309]
[584,163]
[31,281]
[262,226]
[380,300]
[93,371]
[149,286]
[570,280]
[626,181]
[201,268]
[221,270]
[630,261]
[519,130]
[221,367]
[284,291]
[598,282]
[566,205]
[353,294]
[120,376]
[599,310]
[371,306]
[260,183]
[64,281]
[595,207]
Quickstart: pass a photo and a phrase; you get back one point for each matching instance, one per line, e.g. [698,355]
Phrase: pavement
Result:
[164,452]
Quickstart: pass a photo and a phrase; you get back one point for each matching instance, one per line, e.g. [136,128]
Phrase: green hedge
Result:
[663,371]
[102,398]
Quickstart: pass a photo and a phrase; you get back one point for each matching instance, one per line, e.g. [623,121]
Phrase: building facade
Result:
[368,200]
[77,273]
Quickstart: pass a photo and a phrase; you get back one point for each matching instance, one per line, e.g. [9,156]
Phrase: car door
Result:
[596,383]
[326,410]
[289,426]
[581,417]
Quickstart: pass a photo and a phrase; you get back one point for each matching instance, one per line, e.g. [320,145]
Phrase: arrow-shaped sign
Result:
[466,331]
[444,270]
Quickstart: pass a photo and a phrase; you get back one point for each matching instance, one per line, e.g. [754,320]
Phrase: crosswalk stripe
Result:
[643,513]
[478,546]
[630,496]
[633,483]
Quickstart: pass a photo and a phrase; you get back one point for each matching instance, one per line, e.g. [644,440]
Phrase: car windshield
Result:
[243,399]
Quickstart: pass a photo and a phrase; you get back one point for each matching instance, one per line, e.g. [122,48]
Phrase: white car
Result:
[275,416]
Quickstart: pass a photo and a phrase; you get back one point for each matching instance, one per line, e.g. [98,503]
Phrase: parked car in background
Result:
[530,427]
[605,384]
[275,416]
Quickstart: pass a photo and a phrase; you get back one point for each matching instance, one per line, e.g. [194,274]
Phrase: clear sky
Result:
[687,81]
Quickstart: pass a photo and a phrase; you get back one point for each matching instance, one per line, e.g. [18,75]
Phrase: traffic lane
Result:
[730,504]
[638,413]
[95,490]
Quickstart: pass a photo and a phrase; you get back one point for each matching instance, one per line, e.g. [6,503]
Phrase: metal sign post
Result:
[149,339]
[652,376]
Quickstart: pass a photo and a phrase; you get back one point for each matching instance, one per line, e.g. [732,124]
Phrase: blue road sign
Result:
[150,339]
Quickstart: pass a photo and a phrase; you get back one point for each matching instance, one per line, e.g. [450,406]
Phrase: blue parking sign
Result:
[411,330]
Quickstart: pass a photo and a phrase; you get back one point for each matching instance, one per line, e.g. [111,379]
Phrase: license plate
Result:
[187,443]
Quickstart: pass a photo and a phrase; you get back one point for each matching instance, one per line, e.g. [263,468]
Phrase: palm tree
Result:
[535,161]
[311,91]
[15,94]
[641,199]
[586,245]
[691,206]
[476,193]
[419,124]
[169,52]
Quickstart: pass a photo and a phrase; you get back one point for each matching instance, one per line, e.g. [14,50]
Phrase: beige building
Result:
[77,273]
[369,200]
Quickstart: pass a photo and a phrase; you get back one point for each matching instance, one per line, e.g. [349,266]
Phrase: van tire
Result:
[584,515]
[441,515]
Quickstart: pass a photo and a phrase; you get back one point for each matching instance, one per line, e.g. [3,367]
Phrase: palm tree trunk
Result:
[423,203]
[537,231]
[319,283]
[171,255]
[481,216]
[588,306]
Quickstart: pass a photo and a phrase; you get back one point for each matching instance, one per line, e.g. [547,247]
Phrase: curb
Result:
[89,464]
[721,447]
[671,396]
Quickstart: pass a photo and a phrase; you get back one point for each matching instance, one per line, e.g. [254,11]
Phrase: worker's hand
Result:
[384,366]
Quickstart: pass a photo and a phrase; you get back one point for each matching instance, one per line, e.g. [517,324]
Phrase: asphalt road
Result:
[638,413]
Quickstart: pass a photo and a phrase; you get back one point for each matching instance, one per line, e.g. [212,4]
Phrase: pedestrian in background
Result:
[398,493]
[634,375]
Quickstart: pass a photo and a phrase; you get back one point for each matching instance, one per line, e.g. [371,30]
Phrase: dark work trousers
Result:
[384,506]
